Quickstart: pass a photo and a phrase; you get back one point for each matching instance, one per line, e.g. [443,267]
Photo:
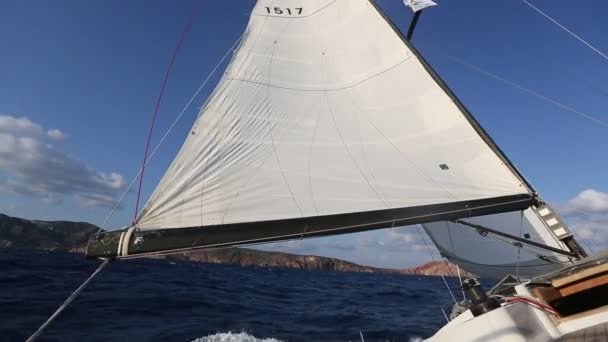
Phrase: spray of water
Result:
[234,337]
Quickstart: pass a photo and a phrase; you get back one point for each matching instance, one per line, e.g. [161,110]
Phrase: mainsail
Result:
[326,121]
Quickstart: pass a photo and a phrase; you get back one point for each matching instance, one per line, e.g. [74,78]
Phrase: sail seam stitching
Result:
[352,85]
[270,127]
[431,179]
[229,81]
[260,167]
[351,155]
[333,117]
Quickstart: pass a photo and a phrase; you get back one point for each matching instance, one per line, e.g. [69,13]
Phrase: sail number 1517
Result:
[283,10]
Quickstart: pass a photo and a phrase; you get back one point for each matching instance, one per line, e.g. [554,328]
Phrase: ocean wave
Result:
[233,337]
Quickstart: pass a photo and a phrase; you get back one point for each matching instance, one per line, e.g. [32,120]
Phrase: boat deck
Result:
[596,333]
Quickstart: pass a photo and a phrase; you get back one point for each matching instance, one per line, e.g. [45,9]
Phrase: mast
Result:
[410,30]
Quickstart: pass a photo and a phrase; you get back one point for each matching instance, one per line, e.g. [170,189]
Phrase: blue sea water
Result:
[158,300]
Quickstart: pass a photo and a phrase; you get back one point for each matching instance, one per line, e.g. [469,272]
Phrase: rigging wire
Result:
[464,297]
[577,37]
[433,258]
[526,90]
[67,302]
[170,129]
[521,233]
[159,98]
[76,292]
[445,315]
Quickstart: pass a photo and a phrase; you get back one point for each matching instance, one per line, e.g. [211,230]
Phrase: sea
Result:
[160,300]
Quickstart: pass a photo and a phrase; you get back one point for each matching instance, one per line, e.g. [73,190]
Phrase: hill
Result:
[72,237]
[48,235]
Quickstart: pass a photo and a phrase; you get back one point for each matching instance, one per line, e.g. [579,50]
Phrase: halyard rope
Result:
[158,100]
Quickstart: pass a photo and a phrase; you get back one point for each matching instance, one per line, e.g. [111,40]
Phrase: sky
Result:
[79,81]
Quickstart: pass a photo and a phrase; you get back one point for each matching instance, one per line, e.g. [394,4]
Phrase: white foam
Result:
[233,337]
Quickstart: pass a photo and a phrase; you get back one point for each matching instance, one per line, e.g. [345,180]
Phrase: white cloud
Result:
[591,231]
[587,214]
[404,239]
[22,126]
[588,201]
[37,169]
[55,134]
[25,127]
[95,200]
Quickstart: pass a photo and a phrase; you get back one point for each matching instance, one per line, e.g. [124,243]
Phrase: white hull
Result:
[520,321]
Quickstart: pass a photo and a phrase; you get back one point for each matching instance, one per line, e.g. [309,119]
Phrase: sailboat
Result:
[328,121]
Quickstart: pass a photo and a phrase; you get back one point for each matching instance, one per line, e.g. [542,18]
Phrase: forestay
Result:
[324,110]
[492,256]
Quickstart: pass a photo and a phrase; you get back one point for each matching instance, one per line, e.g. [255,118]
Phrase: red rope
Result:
[160,96]
[533,303]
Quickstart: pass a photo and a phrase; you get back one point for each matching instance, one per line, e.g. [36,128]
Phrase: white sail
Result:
[491,256]
[324,110]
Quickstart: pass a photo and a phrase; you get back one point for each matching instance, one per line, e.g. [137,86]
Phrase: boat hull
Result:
[566,305]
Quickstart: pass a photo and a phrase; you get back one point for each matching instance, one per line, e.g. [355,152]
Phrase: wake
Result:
[233,337]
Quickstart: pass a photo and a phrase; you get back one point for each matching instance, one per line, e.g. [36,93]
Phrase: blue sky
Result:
[92,71]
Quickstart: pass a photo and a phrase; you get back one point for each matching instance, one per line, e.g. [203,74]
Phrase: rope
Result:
[67,302]
[170,129]
[567,30]
[159,98]
[532,302]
